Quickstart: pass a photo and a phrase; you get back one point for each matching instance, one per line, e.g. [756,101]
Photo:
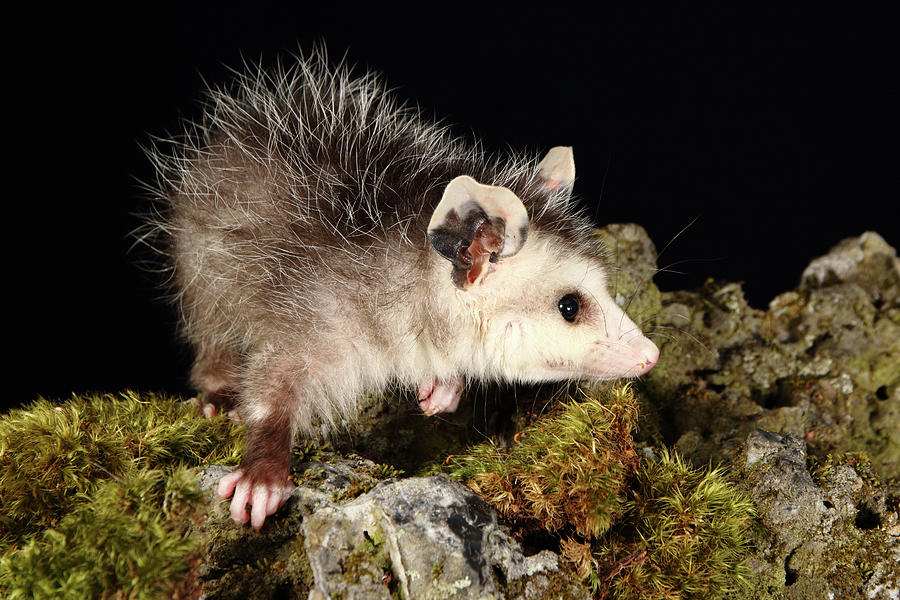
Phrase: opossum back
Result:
[306,178]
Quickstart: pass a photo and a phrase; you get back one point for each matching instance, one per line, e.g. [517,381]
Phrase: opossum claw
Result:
[264,499]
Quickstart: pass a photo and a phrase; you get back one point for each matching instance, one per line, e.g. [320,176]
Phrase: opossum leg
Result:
[262,479]
[269,400]
[215,374]
[438,396]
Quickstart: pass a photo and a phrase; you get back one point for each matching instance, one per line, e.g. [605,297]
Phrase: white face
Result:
[547,316]
[540,313]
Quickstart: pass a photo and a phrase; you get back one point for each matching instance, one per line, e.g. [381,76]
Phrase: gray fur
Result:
[303,185]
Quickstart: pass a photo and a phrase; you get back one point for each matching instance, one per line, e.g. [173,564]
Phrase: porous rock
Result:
[868,261]
[830,538]
[430,537]
[788,397]
[632,256]
[822,363]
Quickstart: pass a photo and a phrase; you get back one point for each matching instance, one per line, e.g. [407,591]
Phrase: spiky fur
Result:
[294,218]
[305,189]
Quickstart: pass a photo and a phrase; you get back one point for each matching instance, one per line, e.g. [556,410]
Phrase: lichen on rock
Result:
[825,537]
[416,537]
[783,396]
[823,362]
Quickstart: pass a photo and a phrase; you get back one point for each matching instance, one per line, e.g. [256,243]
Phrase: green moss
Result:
[685,534]
[655,529]
[357,487]
[382,472]
[128,537]
[97,497]
[437,569]
[821,469]
[569,469]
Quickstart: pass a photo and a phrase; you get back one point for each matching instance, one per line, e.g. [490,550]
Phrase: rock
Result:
[867,261]
[822,363]
[812,380]
[788,500]
[430,537]
[633,258]
[826,539]
[418,537]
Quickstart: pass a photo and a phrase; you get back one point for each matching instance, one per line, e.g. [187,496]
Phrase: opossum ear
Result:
[558,167]
[475,224]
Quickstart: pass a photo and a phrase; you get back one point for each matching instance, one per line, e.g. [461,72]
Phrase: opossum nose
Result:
[650,353]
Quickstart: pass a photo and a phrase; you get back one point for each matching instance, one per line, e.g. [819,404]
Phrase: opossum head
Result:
[540,304]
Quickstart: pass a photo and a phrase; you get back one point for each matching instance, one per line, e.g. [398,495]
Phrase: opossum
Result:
[327,241]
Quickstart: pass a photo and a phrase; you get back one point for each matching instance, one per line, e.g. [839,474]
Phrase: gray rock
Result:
[418,537]
[781,487]
[827,539]
[430,537]
[866,260]
[822,363]
[633,259]
[819,372]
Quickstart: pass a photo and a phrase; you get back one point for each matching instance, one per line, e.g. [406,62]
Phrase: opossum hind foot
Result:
[264,497]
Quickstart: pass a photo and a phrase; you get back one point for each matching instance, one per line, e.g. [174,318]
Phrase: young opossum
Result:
[327,241]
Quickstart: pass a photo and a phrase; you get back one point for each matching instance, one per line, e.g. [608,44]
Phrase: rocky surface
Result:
[418,537]
[832,536]
[822,363]
[797,399]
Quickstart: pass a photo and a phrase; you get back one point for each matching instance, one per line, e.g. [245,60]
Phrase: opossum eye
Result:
[568,307]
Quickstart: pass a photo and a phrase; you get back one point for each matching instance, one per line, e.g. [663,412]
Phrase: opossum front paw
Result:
[211,405]
[206,409]
[440,396]
[264,498]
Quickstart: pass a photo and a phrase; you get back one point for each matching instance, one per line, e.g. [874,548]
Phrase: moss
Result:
[357,487]
[128,537]
[685,534]
[658,530]
[569,469]
[53,455]
[97,496]
[821,469]
[437,569]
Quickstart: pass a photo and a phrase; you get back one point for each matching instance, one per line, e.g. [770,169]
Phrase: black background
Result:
[771,130]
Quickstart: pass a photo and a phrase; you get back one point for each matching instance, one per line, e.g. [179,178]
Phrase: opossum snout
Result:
[629,356]
[619,348]
[642,346]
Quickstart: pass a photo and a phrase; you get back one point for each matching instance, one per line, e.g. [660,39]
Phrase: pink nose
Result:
[649,351]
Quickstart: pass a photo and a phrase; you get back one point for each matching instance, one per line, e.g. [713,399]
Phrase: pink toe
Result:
[276,499]
[239,503]
[227,483]
[260,502]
